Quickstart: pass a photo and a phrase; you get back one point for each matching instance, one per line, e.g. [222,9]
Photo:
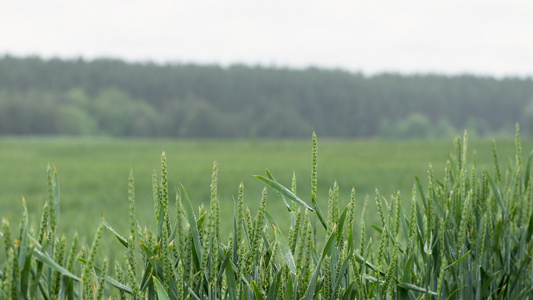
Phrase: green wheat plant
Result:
[465,236]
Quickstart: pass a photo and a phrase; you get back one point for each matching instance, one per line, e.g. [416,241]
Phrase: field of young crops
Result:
[93,181]
[93,173]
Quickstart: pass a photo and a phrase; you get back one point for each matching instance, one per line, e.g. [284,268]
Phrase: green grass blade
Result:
[372,279]
[405,228]
[146,277]
[421,191]
[25,274]
[314,254]
[342,270]
[320,215]
[193,226]
[497,194]
[274,286]
[529,229]
[120,238]
[528,170]
[340,223]
[160,222]
[225,262]
[47,260]
[55,187]
[23,243]
[285,250]
[350,239]
[407,269]
[192,293]
[269,175]
[149,253]
[271,219]
[160,289]
[312,287]
[113,282]
[502,292]
[157,266]
[231,282]
[173,289]
[289,288]
[415,288]
[68,291]
[377,228]
[350,292]
[361,260]
[283,190]
[257,291]
[201,219]
[437,205]
[458,260]
[172,235]
[153,264]
[287,193]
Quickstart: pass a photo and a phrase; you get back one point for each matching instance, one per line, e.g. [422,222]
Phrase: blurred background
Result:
[242,69]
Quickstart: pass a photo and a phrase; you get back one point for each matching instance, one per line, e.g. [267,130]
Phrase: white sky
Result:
[490,37]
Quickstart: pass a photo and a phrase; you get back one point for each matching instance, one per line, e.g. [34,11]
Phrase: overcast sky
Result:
[454,36]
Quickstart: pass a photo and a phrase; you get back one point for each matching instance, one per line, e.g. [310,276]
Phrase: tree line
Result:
[115,98]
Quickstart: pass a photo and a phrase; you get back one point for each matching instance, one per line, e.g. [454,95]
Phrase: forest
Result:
[110,97]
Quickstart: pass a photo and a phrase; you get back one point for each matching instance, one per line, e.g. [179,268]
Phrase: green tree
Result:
[416,125]
[120,115]
[73,120]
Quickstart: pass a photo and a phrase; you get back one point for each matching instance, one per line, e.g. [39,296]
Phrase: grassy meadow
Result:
[93,173]
[468,237]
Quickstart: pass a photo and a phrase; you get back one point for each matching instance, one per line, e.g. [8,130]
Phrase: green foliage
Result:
[108,97]
[468,237]
[415,125]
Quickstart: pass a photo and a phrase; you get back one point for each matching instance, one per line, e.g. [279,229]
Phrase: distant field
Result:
[93,173]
